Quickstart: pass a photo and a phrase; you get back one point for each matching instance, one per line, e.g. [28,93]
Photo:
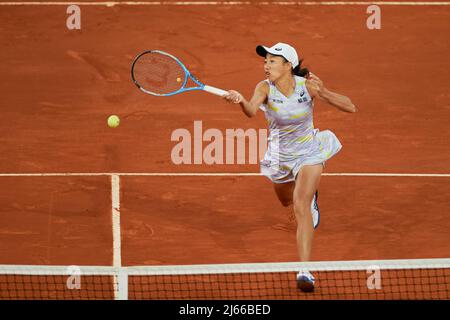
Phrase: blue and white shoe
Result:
[305,281]
[315,210]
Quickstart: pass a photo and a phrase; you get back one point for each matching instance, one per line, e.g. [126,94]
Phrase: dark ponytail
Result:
[299,71]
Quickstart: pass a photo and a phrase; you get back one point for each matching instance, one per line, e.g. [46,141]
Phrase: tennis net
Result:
[373,279]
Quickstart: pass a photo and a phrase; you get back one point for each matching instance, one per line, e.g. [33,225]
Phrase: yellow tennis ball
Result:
[113,121]
[178,79]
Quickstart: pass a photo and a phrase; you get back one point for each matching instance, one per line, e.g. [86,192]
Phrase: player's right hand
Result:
[233,97]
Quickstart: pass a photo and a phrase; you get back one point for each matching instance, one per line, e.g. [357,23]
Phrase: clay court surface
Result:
[58,87]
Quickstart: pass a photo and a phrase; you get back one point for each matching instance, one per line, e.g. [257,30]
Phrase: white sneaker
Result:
[305,281]
[315,210]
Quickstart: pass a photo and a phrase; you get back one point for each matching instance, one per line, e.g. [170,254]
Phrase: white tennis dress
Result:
[293,142]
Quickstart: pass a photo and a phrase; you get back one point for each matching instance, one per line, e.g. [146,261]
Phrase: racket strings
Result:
[158,73]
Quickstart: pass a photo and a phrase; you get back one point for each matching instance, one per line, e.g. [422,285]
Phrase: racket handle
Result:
[216,91]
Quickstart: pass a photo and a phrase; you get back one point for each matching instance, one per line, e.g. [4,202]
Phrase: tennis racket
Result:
[161,74]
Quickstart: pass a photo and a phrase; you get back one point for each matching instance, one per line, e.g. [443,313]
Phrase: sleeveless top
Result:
[290,120]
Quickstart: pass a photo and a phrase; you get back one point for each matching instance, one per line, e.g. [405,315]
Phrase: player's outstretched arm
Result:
[250,107]
[316,89]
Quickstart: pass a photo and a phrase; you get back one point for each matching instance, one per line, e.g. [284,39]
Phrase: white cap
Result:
[280,49]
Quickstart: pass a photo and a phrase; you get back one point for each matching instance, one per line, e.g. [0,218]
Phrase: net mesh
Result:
[54,287]
[392,279]
[396,284]
[21,282]
[158,73]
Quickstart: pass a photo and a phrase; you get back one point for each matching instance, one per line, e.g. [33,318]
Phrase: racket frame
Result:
[187,75]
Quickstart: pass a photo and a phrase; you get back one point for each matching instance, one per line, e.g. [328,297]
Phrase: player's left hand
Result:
[314,84]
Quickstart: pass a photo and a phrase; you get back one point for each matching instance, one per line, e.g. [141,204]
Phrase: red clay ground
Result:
[225,225]
[59,86]
[55,220]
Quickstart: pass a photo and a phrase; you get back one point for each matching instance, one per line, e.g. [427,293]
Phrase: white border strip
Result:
[231,268]
[291,267]
[56,270]
[227,3]
[215,174]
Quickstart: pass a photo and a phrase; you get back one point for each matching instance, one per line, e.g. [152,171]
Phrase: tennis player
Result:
[296,152]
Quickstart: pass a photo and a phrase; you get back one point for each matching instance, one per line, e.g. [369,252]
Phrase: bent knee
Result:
[301,206]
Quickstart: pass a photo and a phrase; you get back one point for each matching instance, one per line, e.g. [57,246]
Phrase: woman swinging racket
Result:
[296,152]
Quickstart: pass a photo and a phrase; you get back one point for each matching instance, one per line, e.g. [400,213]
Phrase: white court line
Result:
[115,196]
[117,256]
[228,3]
[214,174]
